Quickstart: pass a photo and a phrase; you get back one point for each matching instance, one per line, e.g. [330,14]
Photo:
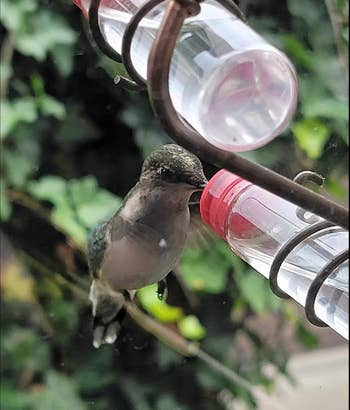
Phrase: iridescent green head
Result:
[173,164]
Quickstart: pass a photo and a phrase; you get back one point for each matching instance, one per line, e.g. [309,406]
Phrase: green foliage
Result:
[323,99]
[191,328]
[72,145]
[305,337]
[205,270]
[256,292]
[59,393]
[167,401]
[312,136]
[13,113]
[12,399]
[37,30]
[78,204]
[158,308]
[5,206]
[188,326]
[22,349]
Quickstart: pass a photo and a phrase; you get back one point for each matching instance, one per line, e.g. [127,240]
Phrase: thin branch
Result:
[28,202]
[81,293]
[184,347]
[7,50]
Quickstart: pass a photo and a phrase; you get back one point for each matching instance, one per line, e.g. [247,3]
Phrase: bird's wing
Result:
[199,234]
[96,245]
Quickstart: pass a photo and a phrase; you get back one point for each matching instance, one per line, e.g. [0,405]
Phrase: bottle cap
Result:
[217,198]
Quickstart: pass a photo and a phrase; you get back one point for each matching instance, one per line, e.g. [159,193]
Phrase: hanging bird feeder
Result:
[240,93]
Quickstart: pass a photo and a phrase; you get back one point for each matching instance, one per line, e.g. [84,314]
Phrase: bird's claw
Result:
[105,333]
[162,289]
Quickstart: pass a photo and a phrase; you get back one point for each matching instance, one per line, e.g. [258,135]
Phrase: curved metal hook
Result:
[309,176]
[106,48]
[97,35]
[129,33]
[302,178]
[286,249]
[317,284]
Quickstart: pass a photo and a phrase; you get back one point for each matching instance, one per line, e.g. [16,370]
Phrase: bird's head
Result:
[173,164]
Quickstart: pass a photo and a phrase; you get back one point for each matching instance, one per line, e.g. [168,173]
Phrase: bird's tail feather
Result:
[108,313]
[107,333]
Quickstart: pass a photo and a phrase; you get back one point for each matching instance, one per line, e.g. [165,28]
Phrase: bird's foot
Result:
[162,290]
[107,333]
[108,313]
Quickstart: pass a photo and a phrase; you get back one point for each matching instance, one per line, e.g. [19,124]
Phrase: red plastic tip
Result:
[218,197]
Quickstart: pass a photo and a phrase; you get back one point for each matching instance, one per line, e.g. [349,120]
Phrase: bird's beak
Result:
[203,185]
[200,184]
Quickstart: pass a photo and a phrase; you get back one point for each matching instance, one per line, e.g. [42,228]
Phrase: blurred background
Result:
[72,145]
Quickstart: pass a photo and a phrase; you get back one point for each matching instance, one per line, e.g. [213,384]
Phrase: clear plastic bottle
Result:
[233,87]
[257,223]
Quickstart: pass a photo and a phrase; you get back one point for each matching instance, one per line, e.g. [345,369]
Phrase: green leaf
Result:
[5,71]
[92,204]
[306,11]
[102,207]
[336,189]
[62,57]
[206,270]
[166,357]
[14,112]
[18,167]
[65,217]
[23,349]
[41,32]
[5,205]
[158,308]
[326,108]
[191,328]
[48,188]
[76,128]
[12,399]
[311,136]
[137,393]
[50,106]
[254,290]
[208,379]
[64,318]
[13,14]
[297,50]
[78,203]
[60,393]
[305,336]
[168,402]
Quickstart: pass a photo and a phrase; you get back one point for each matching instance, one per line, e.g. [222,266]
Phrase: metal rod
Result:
[129,84]
[158,89]
[317,284]
[128,37]
[97,35]
[285,251]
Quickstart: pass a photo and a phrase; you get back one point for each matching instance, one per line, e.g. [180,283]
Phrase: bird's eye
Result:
[166,173]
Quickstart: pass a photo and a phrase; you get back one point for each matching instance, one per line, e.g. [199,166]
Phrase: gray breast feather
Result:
[139,255]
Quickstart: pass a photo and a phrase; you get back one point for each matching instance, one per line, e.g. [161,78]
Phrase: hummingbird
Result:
[141,244]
